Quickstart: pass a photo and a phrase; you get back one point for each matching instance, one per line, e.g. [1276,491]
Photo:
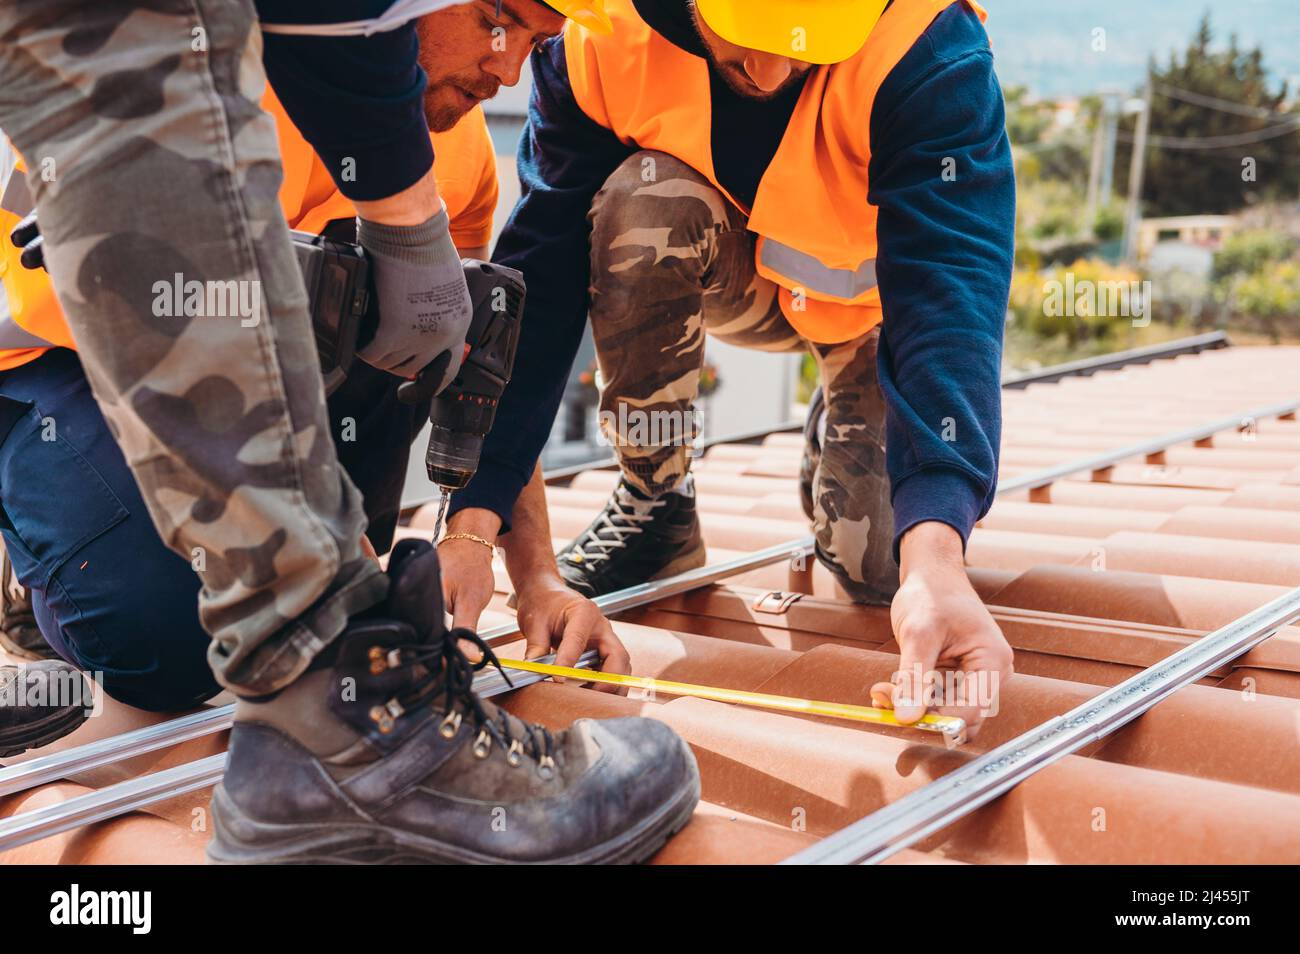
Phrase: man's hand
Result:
[953,658]
[552,616]
[424,304]
[467,580]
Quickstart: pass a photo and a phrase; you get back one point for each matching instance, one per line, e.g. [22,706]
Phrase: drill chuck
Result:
[462,414]
[452,457]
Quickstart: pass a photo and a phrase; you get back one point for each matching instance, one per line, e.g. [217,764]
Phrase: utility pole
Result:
[1101,168]
[1114,101]
[1094,169]
[1137,168]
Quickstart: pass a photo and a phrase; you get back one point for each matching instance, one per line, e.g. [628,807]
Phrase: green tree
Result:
[1227,178]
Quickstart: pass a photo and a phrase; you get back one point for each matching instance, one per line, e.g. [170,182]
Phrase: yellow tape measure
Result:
[950,726]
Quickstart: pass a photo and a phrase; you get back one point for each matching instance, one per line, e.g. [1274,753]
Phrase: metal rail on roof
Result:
[1107,459]
[106,751]
[136,793]
[92,755]
[1120,359]
[907,820]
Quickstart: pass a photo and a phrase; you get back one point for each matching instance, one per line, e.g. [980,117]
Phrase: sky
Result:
[1047,44]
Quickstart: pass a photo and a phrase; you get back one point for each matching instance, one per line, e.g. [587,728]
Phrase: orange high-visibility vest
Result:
[816,230]
[31,321]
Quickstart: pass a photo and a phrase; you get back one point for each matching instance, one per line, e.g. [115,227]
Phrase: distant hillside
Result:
[1047,44]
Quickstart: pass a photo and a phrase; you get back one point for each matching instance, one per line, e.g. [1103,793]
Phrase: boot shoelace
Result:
[621,519]
[451,675]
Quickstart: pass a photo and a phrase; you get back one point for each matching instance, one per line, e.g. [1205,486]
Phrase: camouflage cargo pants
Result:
[155,174]
[671,261]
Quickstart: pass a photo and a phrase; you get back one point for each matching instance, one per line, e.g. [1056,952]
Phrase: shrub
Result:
[1248,252]
[1088,299]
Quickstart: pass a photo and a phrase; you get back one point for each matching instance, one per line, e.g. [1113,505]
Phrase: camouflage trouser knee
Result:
[155,175]
[672,260]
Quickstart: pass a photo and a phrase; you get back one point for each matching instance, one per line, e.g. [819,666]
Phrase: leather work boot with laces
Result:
[40,702]
[636,538]
[385,754]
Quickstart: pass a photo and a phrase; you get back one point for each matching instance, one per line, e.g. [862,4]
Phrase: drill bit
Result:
[442,512]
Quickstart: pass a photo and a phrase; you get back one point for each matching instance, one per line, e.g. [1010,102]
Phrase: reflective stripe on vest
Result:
[815,228]
[13,336]
[16,199]
[842,283]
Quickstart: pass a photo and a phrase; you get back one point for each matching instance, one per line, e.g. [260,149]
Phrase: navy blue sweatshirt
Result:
[353,98]
[944,259]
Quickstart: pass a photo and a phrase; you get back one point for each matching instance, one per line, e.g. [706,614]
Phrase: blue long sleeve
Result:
[942,178]
[564,159]
[359,100]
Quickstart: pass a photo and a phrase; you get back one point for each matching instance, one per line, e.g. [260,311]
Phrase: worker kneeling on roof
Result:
[358,735]
[828,175]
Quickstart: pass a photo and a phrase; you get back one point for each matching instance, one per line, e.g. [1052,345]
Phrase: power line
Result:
[1220,142]
[1223,105]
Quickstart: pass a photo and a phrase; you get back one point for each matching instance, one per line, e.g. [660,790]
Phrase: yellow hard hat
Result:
[815,31]
[588,13]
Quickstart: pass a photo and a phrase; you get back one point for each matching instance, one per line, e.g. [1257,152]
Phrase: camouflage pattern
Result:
[151,159]
[20,635]
[672,261]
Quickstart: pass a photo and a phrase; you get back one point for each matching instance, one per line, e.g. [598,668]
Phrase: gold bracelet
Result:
[469,536]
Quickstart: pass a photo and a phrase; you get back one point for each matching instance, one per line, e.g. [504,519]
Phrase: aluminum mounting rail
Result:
[1154,445]
[1117,360]
[60,765]
[136,793]
[940,803]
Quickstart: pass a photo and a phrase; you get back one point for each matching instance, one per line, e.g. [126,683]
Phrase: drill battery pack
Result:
[337,277]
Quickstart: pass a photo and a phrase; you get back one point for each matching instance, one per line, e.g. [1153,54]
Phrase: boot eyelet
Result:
[546,767]
[381,717]
[483,744]
[513,755]
[450,725]
[377,663]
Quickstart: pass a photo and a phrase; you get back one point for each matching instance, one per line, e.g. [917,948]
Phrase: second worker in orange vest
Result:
[784,175]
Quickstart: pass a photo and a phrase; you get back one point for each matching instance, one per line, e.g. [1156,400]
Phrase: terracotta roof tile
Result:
[1091,580]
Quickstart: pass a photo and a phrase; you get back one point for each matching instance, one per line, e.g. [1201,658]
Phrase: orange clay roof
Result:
[1090,581]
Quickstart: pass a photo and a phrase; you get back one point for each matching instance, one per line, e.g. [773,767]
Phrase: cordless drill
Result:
[337,278]
[462,414]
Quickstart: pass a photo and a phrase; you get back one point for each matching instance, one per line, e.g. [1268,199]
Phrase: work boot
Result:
[385,754]
[19,634]
[636,538]
[40,702]
[813,432]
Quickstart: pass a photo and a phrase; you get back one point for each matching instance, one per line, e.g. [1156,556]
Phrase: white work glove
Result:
[424,305]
